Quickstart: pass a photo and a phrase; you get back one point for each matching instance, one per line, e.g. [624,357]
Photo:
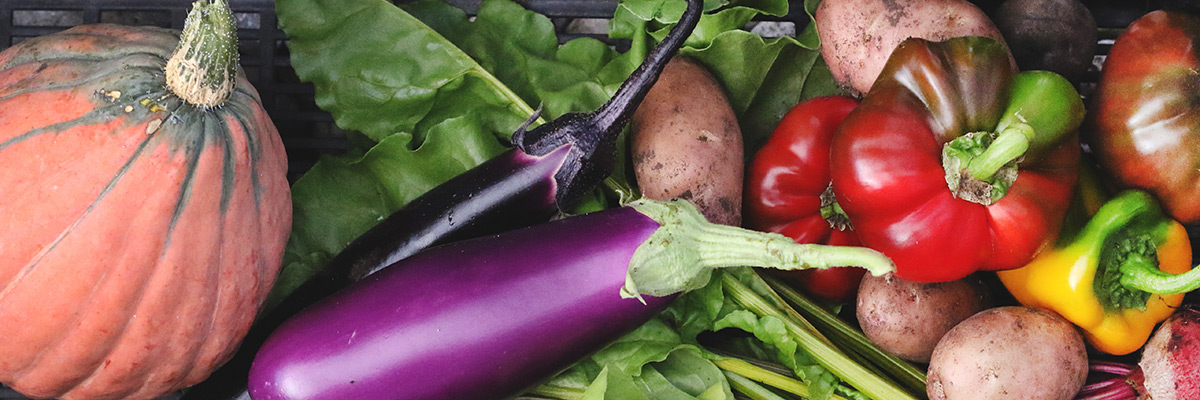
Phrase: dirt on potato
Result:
[687,143]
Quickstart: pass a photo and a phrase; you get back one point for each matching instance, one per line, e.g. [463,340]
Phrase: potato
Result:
[857,36]
[686,143]
[1051,35]
[1011,352]
[908,318]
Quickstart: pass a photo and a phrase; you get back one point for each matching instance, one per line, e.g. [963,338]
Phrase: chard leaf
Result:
[379,70]
[798,75]
[400,82]
[695,312]
[614,385]
[685,375]
[650,343]
[770,332]
[565,78]
[653,361]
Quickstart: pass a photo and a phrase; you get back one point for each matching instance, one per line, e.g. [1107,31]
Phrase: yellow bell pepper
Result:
[1123,272]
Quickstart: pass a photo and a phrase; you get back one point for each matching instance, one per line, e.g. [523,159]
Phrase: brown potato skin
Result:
[1011,352]
[909,318]
[857,36]
[686,143]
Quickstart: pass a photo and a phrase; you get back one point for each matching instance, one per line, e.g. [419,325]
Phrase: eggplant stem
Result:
[621,106]
[594,135]
[682,253]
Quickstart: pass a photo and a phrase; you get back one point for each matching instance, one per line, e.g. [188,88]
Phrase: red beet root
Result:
[1171,359]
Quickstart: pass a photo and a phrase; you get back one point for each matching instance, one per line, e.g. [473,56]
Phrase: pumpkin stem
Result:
[203,69]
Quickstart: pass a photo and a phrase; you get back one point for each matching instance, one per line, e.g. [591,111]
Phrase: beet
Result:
[1171,359]
[1169,368]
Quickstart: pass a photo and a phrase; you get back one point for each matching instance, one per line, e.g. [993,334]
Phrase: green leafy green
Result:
[641,354]
[399,80]
[652,362]
[576,76]
[379,70]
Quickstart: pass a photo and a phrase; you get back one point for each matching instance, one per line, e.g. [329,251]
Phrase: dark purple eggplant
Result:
[550,167]
[492,317]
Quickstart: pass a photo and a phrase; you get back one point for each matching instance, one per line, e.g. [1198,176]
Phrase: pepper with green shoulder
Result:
[1116,277]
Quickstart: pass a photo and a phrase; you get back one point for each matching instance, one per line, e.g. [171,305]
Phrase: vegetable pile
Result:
[901,200]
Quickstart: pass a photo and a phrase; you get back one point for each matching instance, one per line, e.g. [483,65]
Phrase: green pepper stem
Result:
[1142,273]
[1009,145]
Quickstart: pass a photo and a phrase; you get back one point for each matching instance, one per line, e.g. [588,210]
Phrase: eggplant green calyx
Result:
[203,69]
[832,212]
[682,253]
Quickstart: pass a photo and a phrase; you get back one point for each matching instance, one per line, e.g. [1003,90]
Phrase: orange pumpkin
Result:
[139,232]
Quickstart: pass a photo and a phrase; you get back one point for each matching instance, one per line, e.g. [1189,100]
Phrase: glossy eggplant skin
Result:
[513,189]
[476,319]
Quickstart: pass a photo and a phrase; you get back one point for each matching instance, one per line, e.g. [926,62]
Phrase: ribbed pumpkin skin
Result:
[132,259]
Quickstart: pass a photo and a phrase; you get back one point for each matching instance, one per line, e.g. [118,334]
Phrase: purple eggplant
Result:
[549,167]
[492,317]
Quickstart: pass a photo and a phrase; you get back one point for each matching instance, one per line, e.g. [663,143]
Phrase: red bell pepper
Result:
[788,192]
[1145,127]
[955,163]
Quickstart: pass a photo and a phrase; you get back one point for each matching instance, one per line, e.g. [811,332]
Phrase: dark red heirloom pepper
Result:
[788,192]
[1145,122]
[955,163]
